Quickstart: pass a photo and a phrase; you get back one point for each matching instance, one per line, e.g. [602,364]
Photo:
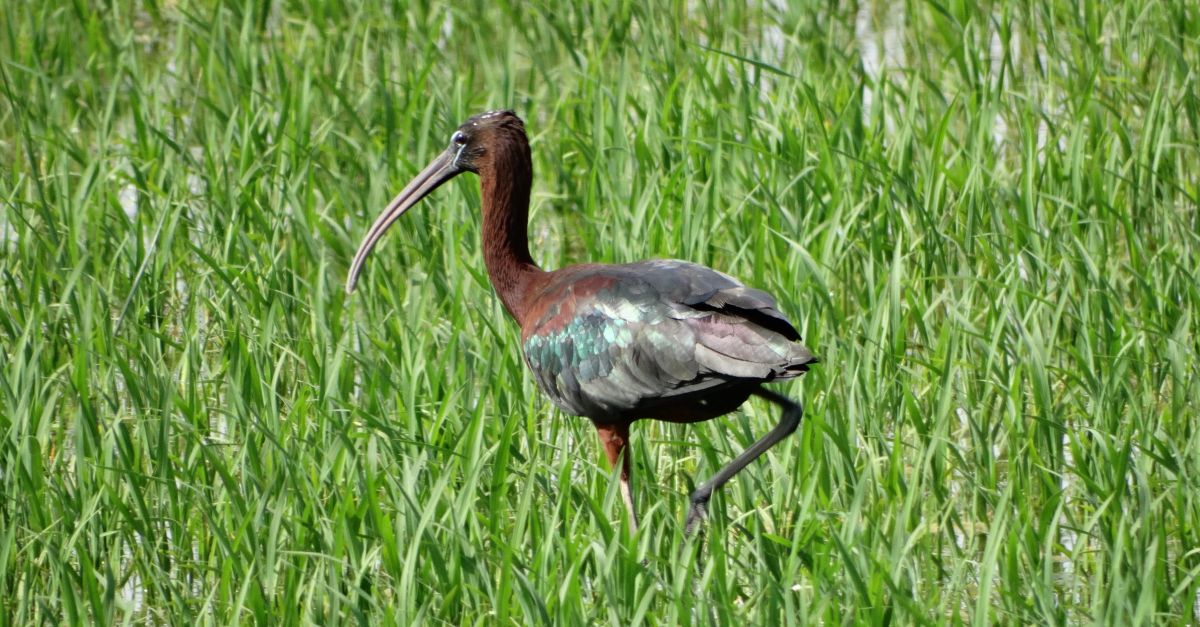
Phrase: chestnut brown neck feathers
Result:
[506,175]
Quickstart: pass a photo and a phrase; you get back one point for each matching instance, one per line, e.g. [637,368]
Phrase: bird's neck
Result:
[505,181]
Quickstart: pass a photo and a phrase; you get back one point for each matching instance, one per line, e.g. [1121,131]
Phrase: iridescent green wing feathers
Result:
[622,339]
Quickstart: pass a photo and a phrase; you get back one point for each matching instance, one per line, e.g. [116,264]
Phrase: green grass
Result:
[992,242]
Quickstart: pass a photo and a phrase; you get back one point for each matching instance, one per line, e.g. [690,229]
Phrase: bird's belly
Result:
[717,402]
[603,401]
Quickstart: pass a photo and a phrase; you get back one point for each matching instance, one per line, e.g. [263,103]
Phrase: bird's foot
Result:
[696,515]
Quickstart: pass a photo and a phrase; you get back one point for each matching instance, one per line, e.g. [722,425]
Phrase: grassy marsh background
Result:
[983,218]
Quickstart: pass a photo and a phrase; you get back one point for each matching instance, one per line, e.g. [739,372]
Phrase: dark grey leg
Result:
[792,413]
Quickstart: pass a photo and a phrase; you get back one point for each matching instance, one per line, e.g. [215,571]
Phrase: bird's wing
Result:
[617,339]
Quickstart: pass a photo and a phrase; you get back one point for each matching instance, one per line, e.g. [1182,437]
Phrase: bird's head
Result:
[473,147]
[476,139]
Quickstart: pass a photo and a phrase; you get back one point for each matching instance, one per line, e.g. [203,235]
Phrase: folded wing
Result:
[620,340]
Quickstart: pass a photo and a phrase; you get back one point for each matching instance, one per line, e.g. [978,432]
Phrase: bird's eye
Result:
[458,138]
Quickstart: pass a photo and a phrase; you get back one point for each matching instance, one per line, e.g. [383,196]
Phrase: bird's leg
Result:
[615,437]
[792,412]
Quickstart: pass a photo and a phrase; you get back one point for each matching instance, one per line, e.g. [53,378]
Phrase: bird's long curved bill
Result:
[441,170]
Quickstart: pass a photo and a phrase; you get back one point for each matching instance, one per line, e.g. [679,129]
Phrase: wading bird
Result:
[662,339]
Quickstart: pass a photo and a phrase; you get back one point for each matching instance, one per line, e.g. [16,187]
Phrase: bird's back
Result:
[663,338]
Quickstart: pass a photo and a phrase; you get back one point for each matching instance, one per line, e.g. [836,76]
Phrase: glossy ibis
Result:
[662,339]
